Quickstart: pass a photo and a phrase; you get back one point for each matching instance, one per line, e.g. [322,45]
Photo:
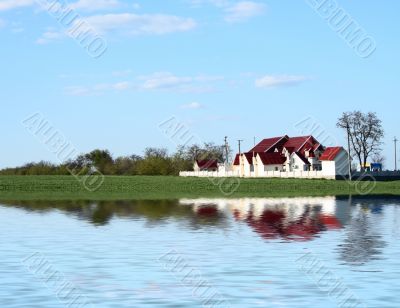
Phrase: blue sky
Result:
[222,67]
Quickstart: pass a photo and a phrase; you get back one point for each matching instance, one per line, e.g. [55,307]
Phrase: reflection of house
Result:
[289,218]
[205,165]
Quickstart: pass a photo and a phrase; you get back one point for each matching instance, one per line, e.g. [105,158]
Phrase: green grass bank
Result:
[169,187]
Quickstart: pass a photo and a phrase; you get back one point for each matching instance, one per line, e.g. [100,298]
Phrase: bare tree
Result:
[365,132]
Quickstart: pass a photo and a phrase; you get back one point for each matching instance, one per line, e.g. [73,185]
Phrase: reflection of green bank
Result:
[158,187]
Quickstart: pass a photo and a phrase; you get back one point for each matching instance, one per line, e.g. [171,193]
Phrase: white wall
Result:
[340,166]
[265,174]
[328,167]
[297,161]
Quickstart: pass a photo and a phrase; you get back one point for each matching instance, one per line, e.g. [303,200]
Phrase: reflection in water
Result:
[362,243]
[288,219]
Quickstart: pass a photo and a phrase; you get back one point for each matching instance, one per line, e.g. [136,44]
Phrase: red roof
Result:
[248,155]
[269,145]
[207,163]
[330,153]
[272,158]
[293,144]
[299,144]
[302,157]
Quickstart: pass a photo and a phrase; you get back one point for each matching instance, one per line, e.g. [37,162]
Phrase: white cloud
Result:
[193,105]
[163,80]
[120,86]
[13,4]
[87,5]
[134,24]
[243,11]
[121,73]
[217,3]
[77,91]
[92,5]
[125,24]
[272,81]
[157,81]
[98,89]
[188,84]
[49,36]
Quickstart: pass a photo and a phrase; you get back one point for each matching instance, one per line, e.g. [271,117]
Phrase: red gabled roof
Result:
[269,144]
[302,157]
[236,160]
[248,155]
[272,158]
[207,163]
[330,153]
[301,143]
[298,142]
[317,146]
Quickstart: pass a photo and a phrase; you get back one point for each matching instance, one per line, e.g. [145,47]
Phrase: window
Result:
[276,168]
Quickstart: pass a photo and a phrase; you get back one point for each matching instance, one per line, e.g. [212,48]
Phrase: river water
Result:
[248,252]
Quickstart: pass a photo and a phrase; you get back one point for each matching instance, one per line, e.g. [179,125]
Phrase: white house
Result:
[335,161]
[302,157]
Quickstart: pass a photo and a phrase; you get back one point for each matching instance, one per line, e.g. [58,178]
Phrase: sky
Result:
[242,69]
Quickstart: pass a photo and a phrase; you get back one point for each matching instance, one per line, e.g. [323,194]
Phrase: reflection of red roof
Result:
[330,153]
[273,224]
[269,144]
[330,221]
[207,163]
[207,210]
[272,158]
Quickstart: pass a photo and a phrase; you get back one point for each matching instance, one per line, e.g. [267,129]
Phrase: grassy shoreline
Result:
[169,187]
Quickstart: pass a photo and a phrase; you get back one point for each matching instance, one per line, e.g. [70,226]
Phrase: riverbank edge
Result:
[170,187]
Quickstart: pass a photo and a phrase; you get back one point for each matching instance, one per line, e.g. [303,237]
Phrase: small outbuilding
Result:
[205,165]
[335,161]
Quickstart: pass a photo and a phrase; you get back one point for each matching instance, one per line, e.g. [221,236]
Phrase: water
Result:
[294,252]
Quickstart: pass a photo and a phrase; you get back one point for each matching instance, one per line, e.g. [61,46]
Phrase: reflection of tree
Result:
[153,211]
[360,245]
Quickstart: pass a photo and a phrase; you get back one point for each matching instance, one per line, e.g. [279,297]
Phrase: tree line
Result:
[364,131]
[154,161]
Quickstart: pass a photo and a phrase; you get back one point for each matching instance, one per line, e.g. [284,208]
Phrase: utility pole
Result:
[395,153]
[239,142]
[226,150]
[348,150]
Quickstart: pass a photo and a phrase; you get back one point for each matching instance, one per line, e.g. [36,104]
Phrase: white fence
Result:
[265,174]
[210,174]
